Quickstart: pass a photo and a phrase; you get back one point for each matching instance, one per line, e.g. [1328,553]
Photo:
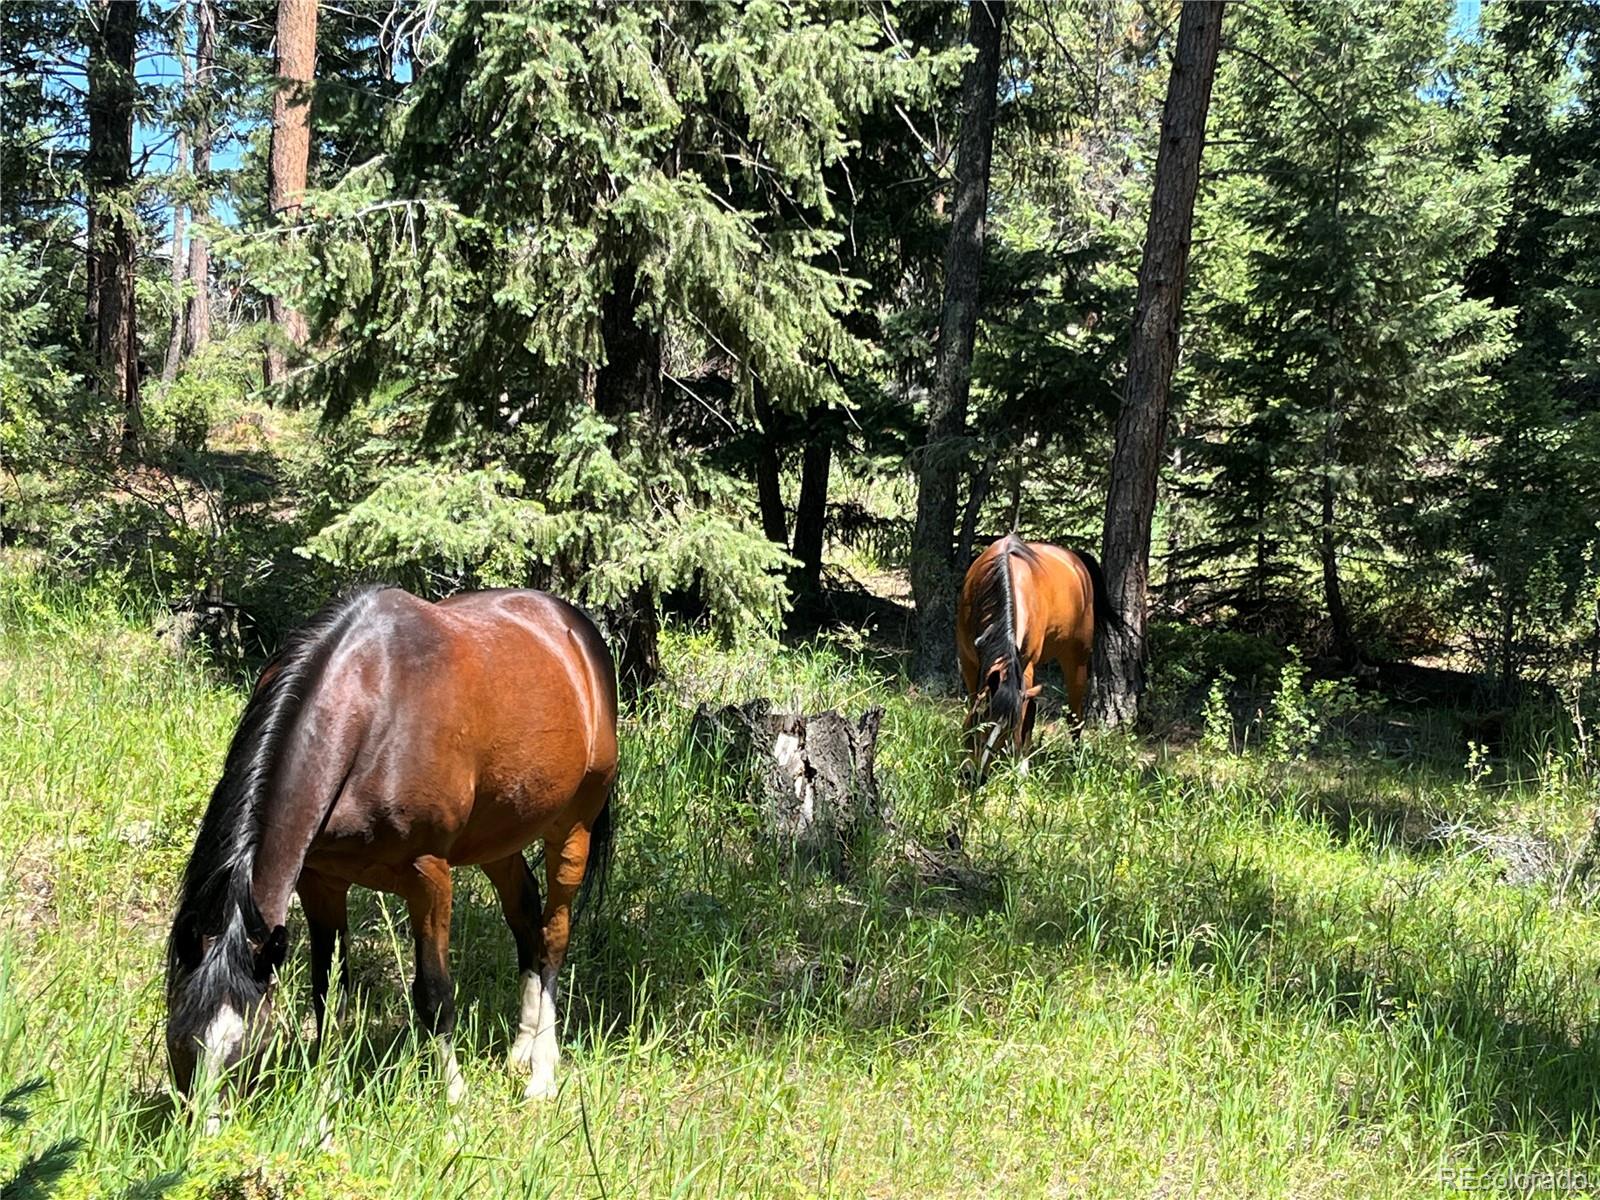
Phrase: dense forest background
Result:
[750,314]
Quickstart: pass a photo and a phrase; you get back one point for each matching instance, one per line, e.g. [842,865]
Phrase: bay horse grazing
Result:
[390,741]
[1023,604]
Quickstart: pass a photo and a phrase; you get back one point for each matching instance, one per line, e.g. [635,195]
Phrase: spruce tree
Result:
[1347,355]
[579,204]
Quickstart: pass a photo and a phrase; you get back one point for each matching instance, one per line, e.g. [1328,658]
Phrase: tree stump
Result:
[811,776]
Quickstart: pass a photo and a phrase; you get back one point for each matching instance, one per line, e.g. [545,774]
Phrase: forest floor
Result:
[1168,971]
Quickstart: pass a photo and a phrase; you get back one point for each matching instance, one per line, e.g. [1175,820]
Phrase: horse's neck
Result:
[305,785]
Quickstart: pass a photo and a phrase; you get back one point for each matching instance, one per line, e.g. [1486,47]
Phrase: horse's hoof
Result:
[520,1060]
[541,1086]
[455,1091]
[455,1084]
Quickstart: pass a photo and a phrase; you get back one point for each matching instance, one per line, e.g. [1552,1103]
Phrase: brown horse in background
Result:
[390,741]
[1024,604]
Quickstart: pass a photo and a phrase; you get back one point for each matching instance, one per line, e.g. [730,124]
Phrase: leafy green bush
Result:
[1206,653]
[1216,718]
[210,390]
[1292,725]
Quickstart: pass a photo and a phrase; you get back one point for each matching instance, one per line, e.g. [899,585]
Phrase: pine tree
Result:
[197,308]
[934,575]
[1152,356]
[1343,361]
[642,187]
[291,149]
[1517,520]
[112,227]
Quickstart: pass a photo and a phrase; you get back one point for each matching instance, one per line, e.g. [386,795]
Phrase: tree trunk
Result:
[179,270]
[1508,641]
[933,577]
[1328,550]
[811,516]
[981,483]
[1169,577]
[814,791]
[630,383]
[180,164]
[1152,355]
[197,318]
[108,171]
[774,517]
[291,150]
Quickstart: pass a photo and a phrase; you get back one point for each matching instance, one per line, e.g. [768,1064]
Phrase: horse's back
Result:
[568,644]
[1053,598]
[470,727]
[1066,600]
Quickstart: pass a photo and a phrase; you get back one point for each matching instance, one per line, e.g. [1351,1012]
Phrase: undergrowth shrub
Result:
[1216,719]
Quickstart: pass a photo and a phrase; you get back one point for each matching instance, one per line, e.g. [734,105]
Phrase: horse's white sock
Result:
[521,1056]
[543,1050]
[455,1085]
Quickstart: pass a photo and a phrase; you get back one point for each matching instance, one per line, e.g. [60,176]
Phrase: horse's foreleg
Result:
[428,899]
[519,901]
[326,902]
[1075,670]
[1023,733]
[565,859]
[1030,710]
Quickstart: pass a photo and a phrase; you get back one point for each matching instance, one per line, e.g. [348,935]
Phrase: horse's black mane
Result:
[215,900]
[996,642]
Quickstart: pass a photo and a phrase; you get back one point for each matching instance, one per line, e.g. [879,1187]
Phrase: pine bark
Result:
[108,171]
[933,574]
[810,516]
[1344,646]
[197,315]
[1119,651]
[769,493]
[630,383]
[290,156]
[977,494]
[179,271]
[180,163]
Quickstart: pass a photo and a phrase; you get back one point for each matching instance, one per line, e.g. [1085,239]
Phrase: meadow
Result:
[1302,966]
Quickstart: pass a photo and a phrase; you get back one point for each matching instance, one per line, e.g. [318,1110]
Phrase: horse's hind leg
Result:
[565,858]
[519,901]
[427,895]
[326,902]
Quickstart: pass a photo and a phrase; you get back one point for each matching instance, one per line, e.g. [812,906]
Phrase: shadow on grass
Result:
[1514,1047]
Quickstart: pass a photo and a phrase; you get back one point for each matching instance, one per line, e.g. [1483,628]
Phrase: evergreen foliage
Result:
[555,158]
[641,302]
[1337,355]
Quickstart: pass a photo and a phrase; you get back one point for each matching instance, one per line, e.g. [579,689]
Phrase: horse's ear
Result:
[273,951]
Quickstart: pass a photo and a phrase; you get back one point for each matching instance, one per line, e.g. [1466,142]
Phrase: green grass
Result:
[1174,975]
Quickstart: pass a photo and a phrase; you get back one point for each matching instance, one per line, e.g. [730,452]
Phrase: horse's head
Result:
[1001,701]
[219,994]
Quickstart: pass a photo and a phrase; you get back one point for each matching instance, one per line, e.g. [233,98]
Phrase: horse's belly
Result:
[394,820]
[472,822]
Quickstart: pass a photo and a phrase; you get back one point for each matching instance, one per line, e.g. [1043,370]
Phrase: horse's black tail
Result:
[592,891]
[1105,613]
